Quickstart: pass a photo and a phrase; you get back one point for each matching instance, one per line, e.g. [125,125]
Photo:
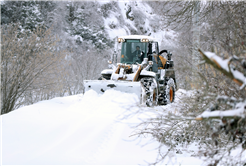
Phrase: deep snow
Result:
[82,129]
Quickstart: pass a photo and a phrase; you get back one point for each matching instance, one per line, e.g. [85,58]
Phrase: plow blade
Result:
[100,86]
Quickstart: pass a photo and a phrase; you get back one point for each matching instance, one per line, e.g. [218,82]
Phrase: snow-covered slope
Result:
[80,129]
[145,22]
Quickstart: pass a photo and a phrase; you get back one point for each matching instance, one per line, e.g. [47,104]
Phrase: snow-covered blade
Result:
[100,86]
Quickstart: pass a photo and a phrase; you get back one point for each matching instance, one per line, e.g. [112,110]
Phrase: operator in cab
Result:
[137,55]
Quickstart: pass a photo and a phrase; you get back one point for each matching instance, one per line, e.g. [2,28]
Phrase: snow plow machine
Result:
[142,70]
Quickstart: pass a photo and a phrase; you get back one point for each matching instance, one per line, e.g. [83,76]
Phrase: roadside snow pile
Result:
[80,129]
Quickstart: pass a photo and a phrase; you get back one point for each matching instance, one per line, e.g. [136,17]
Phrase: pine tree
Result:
[83,29]
[5,14]
[29,14]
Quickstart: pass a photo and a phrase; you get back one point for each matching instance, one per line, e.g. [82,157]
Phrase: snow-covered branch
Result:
[238,112]
[224,65]
[238,106]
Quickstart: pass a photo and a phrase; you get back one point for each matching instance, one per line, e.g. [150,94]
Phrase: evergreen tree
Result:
[85,26]
[29,14]
[47,9]
[5,14]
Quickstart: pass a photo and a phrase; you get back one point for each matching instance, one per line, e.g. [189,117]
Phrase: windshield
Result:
[133,52]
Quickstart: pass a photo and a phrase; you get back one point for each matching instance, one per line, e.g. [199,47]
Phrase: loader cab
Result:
[133,51]
[146,46]
[153,55]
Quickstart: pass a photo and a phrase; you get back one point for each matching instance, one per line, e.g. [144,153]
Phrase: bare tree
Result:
[216,137]
[25,60]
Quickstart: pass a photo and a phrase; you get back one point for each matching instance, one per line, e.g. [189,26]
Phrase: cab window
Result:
[133,51]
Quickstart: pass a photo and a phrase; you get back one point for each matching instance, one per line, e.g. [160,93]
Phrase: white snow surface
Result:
[166,38]
[107,71]
[89,129]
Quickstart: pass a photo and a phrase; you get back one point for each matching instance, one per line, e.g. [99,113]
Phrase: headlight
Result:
[120,40]
[145,40]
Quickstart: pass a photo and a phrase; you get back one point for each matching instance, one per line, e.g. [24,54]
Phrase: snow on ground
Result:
[81,129]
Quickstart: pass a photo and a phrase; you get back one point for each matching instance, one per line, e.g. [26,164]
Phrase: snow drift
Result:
[80,129]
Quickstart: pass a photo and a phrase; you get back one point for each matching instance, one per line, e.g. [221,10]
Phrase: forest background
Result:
[49,47]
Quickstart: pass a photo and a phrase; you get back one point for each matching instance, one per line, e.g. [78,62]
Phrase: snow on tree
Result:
[27,13]
[5,14]
[227,68]
[84,29]
[214,123]
[228,114]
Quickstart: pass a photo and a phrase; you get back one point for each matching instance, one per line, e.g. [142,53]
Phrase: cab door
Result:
[154,49]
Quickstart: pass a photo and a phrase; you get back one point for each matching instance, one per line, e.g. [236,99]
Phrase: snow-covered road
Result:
[81,129]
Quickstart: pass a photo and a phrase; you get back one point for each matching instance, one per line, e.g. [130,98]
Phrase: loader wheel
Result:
[170,91]
[149,91]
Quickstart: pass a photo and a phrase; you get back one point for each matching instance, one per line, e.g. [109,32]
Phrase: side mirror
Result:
[163,52]
[169,54]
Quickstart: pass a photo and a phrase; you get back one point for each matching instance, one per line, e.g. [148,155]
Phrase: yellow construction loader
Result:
[143,70]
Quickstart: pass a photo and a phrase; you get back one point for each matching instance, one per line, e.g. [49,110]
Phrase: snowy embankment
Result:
[146,20]
[81,129]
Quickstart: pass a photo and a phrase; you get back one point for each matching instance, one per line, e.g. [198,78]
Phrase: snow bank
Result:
[80,129]
[73,130]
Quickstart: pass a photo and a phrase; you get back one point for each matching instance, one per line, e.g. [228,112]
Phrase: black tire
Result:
[150,92]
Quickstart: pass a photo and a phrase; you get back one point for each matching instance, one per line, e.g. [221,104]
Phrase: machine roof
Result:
[138,37]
